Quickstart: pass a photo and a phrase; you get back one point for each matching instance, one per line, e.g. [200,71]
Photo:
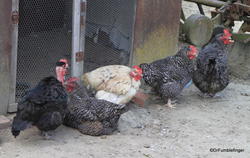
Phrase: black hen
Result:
[169,76]
[211,75]
[45,107]
[92,116]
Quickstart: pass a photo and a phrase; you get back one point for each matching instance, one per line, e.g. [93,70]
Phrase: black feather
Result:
[44,106]
[211,75]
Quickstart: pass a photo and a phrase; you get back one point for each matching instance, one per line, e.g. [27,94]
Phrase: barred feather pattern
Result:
[92,116]
[168,76]
[212,74]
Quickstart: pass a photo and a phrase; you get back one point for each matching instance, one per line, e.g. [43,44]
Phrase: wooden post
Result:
[78,37]
[5,53]
[14,41]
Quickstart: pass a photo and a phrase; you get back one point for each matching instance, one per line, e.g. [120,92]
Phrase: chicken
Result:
[212,74]
[115,83]
[89,115]
[92,116]
[170,75]
[45,107]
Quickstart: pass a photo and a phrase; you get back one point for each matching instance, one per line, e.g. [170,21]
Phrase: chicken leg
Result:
[48,135]
[171,104]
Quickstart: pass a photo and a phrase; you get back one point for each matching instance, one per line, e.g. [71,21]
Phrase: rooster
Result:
[115,83]
[170,75]
[212,74]
[89,115]
[45,107]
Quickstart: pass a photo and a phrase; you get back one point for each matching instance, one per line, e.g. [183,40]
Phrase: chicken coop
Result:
[89,33]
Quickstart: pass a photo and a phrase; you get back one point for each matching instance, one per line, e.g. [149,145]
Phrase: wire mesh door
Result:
[108,32]
[44,36]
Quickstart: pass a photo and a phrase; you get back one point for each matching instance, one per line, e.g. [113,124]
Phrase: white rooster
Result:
[115,83]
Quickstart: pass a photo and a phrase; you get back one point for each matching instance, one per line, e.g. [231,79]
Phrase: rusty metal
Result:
[15,17]
[200,9]
[245,27]
[5,53]
[78,40]
[83,14]
[79,56]
[211,3]
[156,29]
[236,11]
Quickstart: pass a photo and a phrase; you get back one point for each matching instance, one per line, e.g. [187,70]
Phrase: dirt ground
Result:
[189,131]
[196,126]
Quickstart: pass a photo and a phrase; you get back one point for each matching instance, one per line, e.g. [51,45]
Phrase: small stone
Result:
[147,155]
[245,94]
[146,146]
[103,137]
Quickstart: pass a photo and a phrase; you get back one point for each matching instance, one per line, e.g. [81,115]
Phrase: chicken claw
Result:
[47,135]
[171,104]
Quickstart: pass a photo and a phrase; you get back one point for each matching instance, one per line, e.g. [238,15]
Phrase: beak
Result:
[67,68]
[196,54]
[231,40]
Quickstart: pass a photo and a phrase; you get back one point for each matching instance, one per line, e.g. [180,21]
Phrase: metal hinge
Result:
[79,56]
[15,17]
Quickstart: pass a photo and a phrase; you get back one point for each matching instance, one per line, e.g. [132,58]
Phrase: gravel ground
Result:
[190,130]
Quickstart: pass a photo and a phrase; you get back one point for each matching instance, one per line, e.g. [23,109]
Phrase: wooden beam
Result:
[5,53]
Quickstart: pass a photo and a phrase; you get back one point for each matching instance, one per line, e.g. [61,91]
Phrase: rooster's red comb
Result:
[137,68]
[193,48]
[227,33]
[64,60]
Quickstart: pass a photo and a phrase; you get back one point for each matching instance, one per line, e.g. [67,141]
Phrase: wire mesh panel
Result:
[44,36]
[108,32]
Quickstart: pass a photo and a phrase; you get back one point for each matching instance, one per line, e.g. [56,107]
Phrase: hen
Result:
[89,115]
[115,83]
[212,74]
[92,116]
[45,107]
[170,75]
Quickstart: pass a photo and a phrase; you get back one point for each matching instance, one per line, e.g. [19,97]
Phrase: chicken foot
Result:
[48,135]
[171,103]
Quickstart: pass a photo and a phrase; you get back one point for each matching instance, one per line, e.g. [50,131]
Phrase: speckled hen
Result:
[92,116]
[89,115]
[211,75]
[169,76]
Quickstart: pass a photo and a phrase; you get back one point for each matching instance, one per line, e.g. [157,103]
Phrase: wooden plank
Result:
[5,53]
[156,29]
